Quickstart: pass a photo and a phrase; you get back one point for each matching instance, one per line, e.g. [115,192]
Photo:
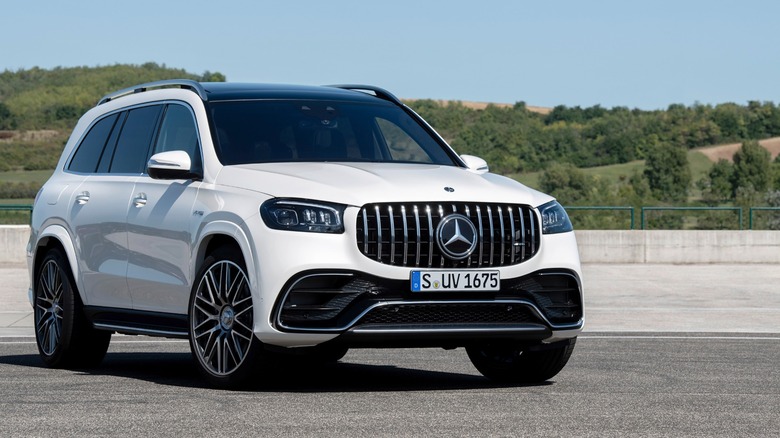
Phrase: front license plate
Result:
[450,281]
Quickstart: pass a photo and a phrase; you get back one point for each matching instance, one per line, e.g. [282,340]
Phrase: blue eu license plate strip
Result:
[454,281]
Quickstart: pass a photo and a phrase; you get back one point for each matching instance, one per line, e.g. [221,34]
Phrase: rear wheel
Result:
[506,362]
[221,320]
[64,336]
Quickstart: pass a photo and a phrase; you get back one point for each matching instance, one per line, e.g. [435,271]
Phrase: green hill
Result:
[54,99]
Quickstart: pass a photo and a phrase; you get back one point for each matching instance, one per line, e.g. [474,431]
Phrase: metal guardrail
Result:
[605,208]
[645,209]
[643,212]
[752,209]
[17,207]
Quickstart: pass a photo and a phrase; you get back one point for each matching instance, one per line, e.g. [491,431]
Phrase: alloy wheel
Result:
[48,307]
[221,318]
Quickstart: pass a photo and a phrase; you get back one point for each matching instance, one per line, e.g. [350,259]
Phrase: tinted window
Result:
[401,146]
[134,140]
[178,133]
[88,154]
[274,131]
[108,152]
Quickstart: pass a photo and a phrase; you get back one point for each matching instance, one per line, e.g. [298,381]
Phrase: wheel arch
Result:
[220,233]
[56,236]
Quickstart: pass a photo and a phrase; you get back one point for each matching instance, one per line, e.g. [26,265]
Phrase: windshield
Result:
[266,131]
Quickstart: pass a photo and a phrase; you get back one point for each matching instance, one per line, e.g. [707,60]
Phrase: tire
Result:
[64,336]
[511,363]
[221,320]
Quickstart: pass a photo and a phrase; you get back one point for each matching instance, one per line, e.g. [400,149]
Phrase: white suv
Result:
[270,221]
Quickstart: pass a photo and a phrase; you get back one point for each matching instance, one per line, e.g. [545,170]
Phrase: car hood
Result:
[361,183]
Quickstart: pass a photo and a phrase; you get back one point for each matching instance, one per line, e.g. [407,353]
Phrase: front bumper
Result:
[318,288]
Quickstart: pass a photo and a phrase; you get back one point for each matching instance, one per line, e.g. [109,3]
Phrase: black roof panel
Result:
[240,91]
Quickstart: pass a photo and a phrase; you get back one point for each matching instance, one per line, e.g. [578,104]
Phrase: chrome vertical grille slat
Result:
[522,233]
[433,238]
[417,223]
[492,235]
[503,233]
[365,231]
[468,215]
[406,235]
[507,234]
[392,234]
[512,236]
[431,235]
[481,236]
[532,227]
[378,234]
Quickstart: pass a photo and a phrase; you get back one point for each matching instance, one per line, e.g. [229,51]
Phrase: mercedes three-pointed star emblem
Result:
[456,237]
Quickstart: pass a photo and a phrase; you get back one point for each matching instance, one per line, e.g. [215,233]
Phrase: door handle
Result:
[139,200]
[82,198]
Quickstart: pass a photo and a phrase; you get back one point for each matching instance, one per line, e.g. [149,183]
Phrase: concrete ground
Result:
[618,298]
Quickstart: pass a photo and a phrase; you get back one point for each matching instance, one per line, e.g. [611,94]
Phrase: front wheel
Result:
[221,320]
[511,363]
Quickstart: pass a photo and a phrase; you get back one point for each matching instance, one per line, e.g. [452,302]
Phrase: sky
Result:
[638,54]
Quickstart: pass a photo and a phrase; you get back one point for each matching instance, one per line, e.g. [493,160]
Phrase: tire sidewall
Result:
[243,372]
[68,303]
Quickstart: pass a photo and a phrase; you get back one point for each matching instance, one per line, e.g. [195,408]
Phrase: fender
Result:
[62,235]
[237,233]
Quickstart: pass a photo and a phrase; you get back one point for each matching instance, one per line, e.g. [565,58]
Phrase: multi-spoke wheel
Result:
[64,336]
[221,320]
[505,362]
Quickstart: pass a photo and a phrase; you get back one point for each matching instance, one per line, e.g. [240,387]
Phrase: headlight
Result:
[303,215]
[554,218]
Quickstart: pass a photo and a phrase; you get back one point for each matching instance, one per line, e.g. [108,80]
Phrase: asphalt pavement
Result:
[668,350]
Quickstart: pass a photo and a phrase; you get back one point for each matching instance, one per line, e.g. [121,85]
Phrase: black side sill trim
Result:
[138,322]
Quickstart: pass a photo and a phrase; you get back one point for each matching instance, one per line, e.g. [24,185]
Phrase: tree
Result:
[6,118]
[716,186]
[751,168]
[567,183]
[213,77]
[668,173]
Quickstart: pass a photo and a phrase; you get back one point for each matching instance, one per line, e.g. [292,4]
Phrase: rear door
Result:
[95,214]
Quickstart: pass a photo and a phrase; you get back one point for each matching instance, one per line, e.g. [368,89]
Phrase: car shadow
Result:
[178,369]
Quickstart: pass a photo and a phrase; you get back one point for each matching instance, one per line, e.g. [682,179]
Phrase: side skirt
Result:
[138,322]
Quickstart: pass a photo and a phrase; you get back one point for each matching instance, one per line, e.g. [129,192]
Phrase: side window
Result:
[178,133]
[108,152]
[86,158]
[133,144]
[402,147]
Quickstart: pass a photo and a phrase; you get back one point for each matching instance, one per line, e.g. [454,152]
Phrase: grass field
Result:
[37,176]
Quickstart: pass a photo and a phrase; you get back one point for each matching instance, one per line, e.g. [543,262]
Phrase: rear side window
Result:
[134,140]
[87,156]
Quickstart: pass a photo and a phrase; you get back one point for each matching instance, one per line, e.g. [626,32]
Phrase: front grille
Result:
[445,313]
[403,234]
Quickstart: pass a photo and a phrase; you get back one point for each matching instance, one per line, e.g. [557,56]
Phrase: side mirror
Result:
[170,165]
[475,164]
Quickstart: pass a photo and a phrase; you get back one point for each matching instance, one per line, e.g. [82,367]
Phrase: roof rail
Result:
[186,84]
[376,91]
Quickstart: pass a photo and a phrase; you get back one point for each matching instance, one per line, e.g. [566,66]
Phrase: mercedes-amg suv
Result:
[268,221]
